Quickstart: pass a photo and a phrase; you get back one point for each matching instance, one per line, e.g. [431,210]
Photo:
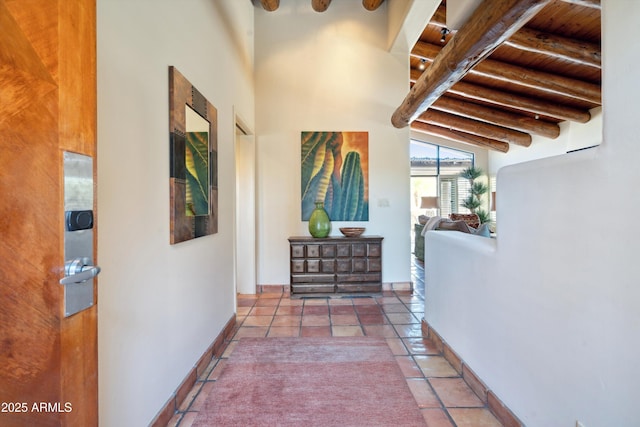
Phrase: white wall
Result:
[548,315]
[573,136]
[406,22]
[161,306]
[328,71]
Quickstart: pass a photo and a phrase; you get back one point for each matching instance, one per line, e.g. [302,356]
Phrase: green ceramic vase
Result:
[319,222]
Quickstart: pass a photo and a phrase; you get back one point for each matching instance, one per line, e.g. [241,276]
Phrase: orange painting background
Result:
[359,142]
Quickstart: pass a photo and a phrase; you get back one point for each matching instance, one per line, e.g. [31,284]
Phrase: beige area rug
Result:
[335,381]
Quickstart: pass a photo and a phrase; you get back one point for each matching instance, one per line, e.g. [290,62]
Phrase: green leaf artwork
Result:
[197,173]
[352,201]
[325,177]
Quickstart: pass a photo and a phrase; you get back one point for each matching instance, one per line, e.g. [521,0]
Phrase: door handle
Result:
[79,270]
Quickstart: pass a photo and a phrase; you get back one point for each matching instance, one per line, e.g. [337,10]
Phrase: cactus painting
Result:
[334,168]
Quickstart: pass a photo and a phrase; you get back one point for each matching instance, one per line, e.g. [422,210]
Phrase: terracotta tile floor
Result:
[442,395]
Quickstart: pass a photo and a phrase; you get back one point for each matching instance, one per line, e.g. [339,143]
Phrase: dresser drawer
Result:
[359,287]
[297,266]
[297,251]
[328,251]
[313,288]
[313,278]
[374,250]
[312,251]
[374,264]
[354,278]
[358,249]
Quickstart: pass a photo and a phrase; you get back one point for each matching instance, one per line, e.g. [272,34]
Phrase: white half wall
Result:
[160,305]
[548,314]
[328,71]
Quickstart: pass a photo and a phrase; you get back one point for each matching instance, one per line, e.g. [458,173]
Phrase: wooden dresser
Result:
[335,264]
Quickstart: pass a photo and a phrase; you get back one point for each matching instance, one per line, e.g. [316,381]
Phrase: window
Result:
[434,172]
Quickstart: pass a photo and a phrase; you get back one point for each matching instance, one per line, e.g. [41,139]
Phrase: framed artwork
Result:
[335,171]
[193,145]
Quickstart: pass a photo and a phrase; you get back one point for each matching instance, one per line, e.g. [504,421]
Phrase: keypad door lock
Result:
[79,269]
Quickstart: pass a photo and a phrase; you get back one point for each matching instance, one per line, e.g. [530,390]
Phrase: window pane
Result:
[464,189]
[422,186]
[424,159]
[448,196]
[452,162]
[432,164]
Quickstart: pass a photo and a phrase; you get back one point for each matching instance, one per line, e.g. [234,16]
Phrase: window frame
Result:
[458,188]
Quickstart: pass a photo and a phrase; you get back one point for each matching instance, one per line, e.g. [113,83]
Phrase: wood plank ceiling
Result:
[515,69]
[477,86]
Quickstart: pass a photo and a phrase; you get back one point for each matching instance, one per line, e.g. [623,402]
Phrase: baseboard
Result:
[216,348]
[495,405]
[398,286]
[272,289]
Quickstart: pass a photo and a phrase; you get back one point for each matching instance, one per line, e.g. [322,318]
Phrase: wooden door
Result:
[48,362]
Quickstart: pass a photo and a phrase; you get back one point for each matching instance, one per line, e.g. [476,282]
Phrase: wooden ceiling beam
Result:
[517,102]
[497,117]
[270,5]
[577,51]
[487,28]
[320,5]
[462,137]
[535,106]
[439,18]
[475,127]
[521,76]
[593,4]
[372,5]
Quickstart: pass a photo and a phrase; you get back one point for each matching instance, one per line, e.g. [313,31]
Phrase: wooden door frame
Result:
[47,362]
[244,217]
